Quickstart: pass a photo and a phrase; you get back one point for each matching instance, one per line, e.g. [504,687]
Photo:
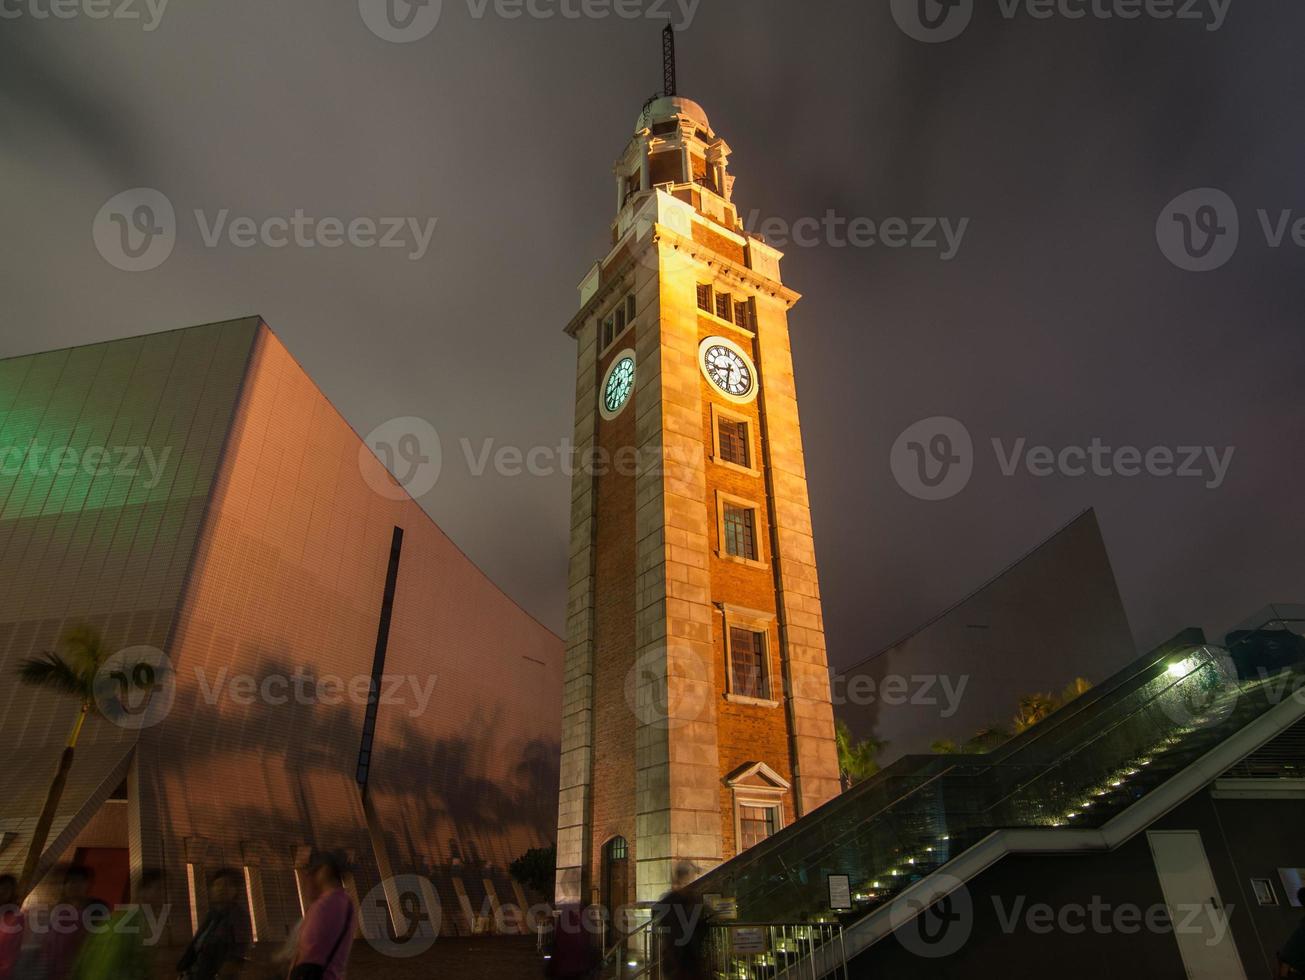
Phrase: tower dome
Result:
[669,107]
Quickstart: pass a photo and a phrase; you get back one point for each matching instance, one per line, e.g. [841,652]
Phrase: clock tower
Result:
[697,717]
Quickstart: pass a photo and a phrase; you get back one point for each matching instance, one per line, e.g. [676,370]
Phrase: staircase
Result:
[1088,777]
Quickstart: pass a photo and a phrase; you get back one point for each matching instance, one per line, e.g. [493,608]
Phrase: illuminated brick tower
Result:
[697,717]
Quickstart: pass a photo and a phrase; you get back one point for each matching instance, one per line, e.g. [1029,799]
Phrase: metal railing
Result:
[771,950]
[734,951]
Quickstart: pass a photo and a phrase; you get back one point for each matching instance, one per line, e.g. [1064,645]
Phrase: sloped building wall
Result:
[1054,615]
[258,562]
[107,456]
[289,580]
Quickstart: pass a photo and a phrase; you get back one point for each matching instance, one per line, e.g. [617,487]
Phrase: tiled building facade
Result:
[259,558]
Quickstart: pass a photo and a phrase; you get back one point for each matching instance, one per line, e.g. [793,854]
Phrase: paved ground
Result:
[482,958]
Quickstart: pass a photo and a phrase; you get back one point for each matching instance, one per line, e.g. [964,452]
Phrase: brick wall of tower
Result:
[798,585]
[746,733]
[574,858]
[614,634]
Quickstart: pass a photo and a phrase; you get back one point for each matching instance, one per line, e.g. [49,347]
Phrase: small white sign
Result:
[840,893]
[749,940]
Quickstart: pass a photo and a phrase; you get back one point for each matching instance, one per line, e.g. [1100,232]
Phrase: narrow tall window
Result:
[740,531]
[704,296]
[723,306]
[629,308]
[745,314]
[748,663]
[732,436]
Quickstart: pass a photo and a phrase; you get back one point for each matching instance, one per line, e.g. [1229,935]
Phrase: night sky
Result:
[1058,320]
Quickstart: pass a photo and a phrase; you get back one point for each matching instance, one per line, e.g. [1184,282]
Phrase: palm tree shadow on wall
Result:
[476,781]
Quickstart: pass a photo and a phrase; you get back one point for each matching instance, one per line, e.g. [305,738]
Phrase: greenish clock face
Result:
[620,382]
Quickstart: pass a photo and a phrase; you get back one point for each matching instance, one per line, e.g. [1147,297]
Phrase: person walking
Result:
[682,926]
[1291,959]
[119,950]
[217,950]
[65,931]
[326,935]
[573,955]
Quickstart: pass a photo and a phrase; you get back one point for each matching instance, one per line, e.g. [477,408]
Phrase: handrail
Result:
[883,799]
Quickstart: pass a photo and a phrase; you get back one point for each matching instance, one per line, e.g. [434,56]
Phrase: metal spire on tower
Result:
[668,61]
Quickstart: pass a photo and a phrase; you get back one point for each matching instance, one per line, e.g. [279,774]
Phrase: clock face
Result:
[618,384]
[728,368]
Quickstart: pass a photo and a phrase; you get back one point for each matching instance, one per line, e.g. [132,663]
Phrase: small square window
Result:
[756,823]
[740,531]
[723,306]
[748,663]
[704,297]
[732,441]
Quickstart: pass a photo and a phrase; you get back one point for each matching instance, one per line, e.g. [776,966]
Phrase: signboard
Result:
[749,940]
[725,909]
[840,893]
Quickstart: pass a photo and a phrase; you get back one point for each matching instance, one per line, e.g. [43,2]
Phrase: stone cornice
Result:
[696,250]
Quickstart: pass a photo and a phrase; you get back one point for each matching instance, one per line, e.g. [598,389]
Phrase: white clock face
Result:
[618,384]
[728,367]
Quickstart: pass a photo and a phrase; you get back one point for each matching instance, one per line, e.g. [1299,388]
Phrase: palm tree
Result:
[72,674]
[856,760]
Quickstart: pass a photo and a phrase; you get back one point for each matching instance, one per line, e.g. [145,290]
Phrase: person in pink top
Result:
[326,936]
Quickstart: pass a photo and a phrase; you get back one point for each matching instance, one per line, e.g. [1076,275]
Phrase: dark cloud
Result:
[1058,320]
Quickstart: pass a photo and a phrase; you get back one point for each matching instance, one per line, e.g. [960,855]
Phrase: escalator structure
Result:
[1088,777]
